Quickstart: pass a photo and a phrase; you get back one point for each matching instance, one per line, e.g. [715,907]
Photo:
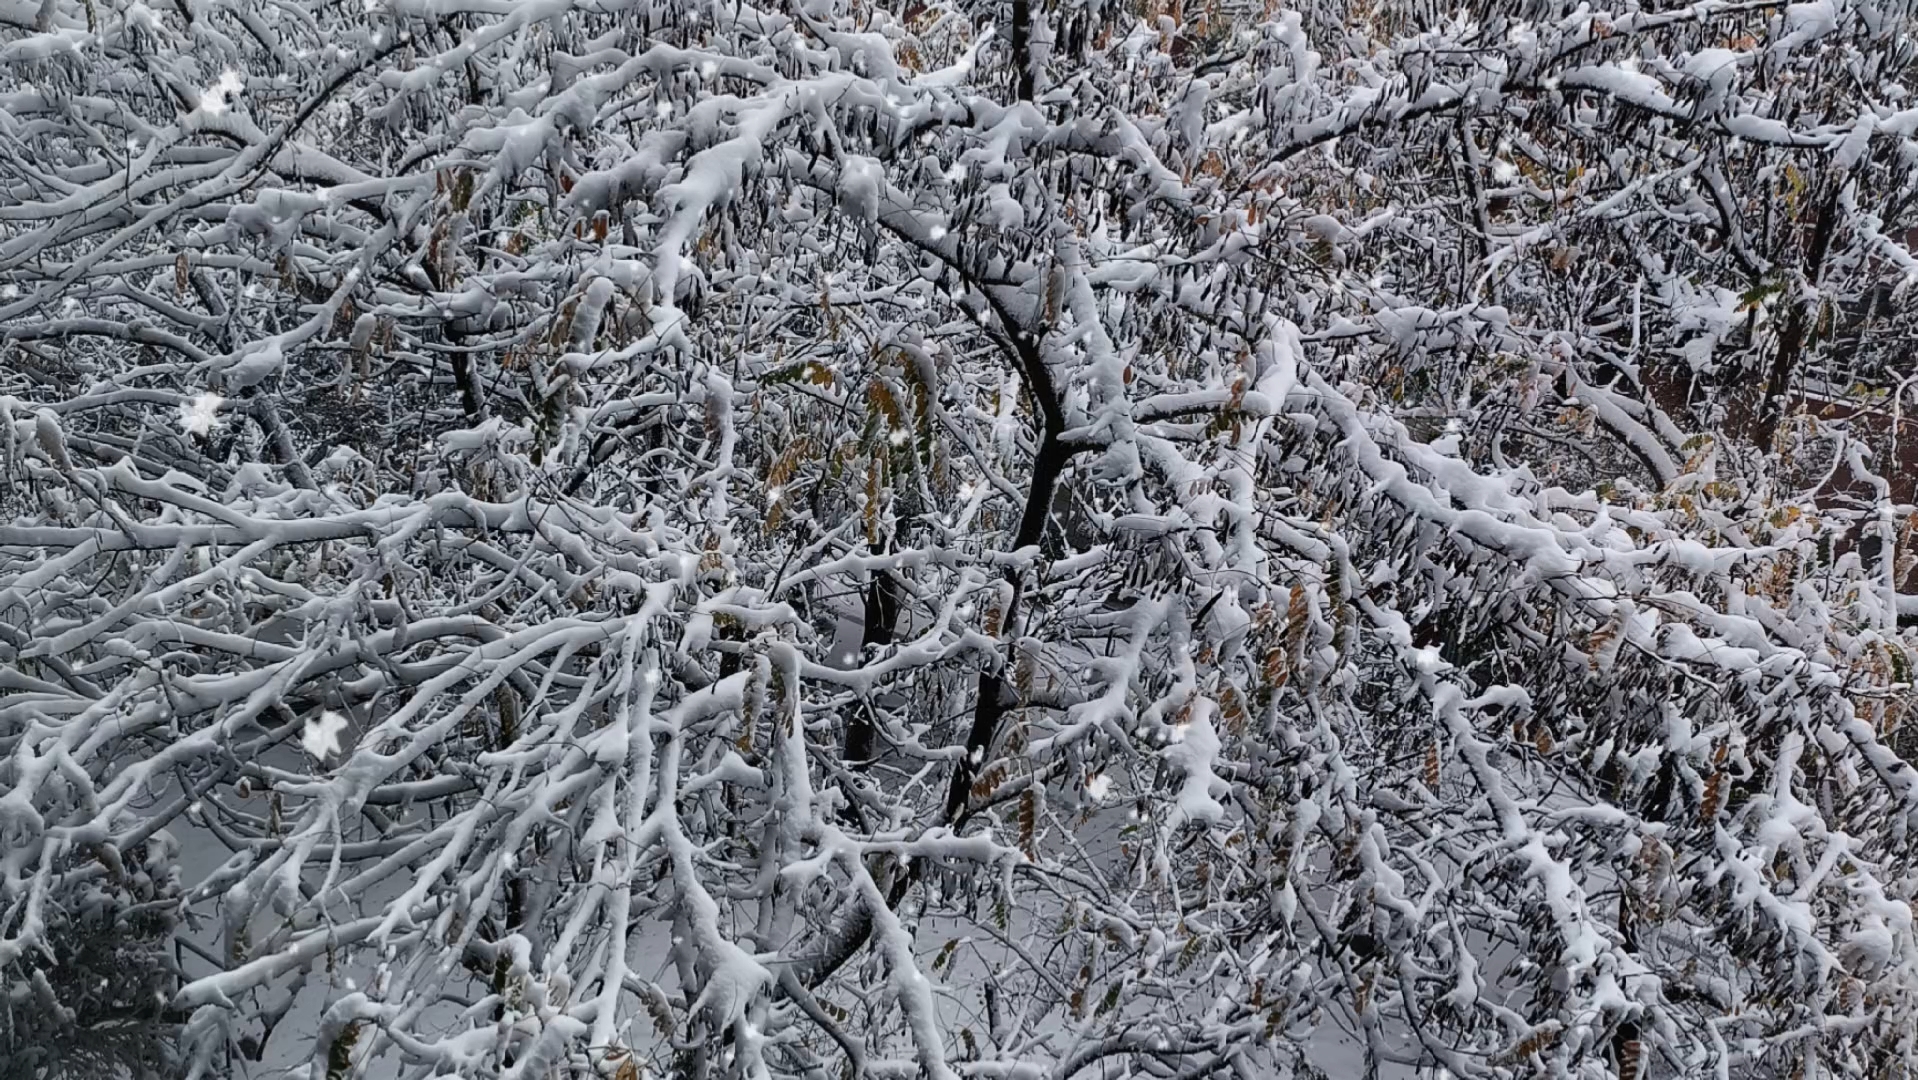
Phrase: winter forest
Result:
[958,539]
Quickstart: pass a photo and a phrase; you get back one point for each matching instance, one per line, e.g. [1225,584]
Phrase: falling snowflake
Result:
[1098,785]
[202,414]
[321,736]
[213,100]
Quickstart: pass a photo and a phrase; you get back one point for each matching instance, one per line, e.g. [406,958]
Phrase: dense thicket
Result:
[1005,540]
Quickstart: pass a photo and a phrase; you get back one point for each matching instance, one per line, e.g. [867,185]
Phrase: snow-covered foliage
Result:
[958,538]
